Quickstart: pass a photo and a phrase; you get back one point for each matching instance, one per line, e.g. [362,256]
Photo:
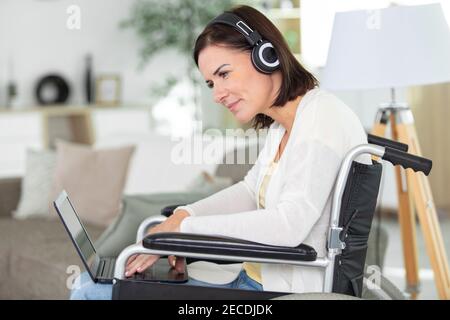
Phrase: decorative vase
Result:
[88,80]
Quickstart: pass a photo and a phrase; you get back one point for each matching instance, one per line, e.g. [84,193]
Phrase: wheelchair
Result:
[354,201]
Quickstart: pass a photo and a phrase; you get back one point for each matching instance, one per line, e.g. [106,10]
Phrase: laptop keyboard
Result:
[107,268]
[111,265]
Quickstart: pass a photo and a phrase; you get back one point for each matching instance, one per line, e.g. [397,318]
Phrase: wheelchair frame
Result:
[385,149]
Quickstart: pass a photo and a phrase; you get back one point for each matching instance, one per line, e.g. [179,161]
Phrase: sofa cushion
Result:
[94,179]
[9,195]
[36,184]
[155,167]
[5,246]
[38,253]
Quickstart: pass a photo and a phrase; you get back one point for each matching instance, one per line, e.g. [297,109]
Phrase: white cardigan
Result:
[298,197]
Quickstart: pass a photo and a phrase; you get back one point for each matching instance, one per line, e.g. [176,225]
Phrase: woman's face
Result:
[236,83]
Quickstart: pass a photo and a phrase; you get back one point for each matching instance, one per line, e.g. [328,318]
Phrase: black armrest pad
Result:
[225,246]
[168,211]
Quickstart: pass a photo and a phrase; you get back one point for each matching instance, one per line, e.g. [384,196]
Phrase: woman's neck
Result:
[285,115]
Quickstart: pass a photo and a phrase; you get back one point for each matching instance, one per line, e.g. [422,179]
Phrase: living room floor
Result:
[393,265]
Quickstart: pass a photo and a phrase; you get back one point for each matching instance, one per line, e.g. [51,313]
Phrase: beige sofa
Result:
[34,253]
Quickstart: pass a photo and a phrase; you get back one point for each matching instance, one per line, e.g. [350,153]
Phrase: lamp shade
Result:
[394,47]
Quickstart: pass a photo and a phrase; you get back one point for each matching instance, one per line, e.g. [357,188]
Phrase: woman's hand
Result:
[140,262]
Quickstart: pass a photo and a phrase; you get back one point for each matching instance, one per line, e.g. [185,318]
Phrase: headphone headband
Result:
[232,20]
[264,57]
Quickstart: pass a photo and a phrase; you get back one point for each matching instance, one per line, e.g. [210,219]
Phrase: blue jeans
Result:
[89,290]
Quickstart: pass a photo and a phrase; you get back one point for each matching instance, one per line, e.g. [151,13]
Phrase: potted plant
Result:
[172,24]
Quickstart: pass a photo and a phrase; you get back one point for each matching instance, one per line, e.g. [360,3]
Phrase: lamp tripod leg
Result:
[426,211]
[405,214]
[407,219]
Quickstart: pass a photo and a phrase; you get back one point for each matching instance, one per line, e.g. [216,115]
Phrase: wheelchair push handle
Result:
[406,160]
[372,139]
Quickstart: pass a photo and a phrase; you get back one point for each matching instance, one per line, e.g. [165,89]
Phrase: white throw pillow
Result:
[36,184]
[152,169]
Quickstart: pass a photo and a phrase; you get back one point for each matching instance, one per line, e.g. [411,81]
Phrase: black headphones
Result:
[264,57]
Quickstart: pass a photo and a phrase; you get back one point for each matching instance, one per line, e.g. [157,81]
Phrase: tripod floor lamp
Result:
[399,46]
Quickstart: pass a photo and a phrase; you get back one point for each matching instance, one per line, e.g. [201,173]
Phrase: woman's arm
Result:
[236,198]
[308,185]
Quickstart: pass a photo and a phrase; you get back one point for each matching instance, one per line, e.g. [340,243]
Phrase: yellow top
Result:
[253,270]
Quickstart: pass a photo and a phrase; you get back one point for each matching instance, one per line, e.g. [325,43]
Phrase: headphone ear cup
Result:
[265,58]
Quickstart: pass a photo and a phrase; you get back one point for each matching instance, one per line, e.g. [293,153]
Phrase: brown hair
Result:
[296,80]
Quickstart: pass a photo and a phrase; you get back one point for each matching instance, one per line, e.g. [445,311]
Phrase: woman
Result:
[285,199]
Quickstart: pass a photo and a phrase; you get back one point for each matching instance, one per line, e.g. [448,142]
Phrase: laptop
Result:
[101,269]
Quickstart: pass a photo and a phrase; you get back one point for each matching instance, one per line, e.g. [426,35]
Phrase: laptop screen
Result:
[77,231]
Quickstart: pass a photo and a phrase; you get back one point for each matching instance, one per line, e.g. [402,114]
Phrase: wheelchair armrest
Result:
[168,211]
[225,246]
[147,224]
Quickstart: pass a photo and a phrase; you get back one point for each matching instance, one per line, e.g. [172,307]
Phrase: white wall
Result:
[34,36]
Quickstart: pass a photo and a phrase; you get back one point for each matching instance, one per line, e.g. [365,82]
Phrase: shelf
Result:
[68,109]
[78,118]
[39,128]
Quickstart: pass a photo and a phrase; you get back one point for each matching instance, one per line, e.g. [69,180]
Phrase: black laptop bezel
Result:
[95,264]
[62,197]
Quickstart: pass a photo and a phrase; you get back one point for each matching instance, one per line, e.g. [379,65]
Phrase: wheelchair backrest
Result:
[357,210]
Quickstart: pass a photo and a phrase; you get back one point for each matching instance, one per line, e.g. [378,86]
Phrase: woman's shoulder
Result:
[320,100]
[324,117]
[325,108]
